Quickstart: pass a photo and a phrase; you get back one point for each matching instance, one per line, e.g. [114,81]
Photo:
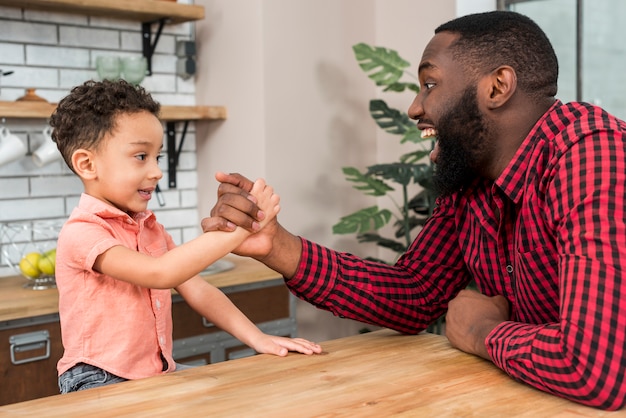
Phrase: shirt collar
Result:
[106,211]
[513,178]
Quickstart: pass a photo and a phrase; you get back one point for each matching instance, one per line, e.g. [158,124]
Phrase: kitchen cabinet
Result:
[29,351]
[30,336]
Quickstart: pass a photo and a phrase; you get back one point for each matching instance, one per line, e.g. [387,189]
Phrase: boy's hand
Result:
[280,346]
[266,200]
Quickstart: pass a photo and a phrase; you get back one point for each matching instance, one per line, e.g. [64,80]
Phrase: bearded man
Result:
[531,208]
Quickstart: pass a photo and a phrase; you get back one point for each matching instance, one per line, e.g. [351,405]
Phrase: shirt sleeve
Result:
[406,297]
[82,240]
[582,356]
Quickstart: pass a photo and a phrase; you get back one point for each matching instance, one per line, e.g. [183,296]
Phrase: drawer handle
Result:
[27,342]
[206,323]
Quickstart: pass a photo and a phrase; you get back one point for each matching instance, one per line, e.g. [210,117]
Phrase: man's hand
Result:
[273,245]
[235,205]
[471,317]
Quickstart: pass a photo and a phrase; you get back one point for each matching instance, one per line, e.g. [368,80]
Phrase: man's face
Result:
[447,109]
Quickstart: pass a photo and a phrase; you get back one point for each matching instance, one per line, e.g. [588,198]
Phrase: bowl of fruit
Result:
[29,248]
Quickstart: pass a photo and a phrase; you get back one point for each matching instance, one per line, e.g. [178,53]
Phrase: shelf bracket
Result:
[148,45]
[173,152]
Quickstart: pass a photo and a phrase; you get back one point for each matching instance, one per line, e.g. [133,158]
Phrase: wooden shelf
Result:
[43,110]
[136,10]
[23,110]
[184,113]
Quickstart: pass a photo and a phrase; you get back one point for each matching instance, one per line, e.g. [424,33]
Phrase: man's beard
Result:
[461,133]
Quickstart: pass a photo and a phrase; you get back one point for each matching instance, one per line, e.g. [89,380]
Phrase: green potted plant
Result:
[388,70]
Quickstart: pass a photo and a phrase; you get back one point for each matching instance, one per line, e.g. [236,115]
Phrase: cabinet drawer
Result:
[28,362]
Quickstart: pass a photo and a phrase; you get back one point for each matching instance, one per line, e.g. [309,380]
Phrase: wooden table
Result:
[378,374]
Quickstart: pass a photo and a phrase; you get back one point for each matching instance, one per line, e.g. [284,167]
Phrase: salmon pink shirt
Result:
[108,323]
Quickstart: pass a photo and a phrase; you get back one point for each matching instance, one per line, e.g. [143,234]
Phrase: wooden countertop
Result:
[16,302]
[377,374]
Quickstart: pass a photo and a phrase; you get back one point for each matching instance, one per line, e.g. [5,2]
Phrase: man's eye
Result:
[429,86]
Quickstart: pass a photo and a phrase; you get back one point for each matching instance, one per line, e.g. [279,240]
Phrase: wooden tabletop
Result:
[17,302]
[378,374]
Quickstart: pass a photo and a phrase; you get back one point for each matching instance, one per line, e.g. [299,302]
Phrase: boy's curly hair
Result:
[90,112]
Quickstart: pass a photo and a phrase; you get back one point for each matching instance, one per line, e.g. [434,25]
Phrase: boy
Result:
[116,264]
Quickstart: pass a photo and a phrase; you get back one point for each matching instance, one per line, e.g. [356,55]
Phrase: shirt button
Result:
[509,268]
[162,340]
[158,304]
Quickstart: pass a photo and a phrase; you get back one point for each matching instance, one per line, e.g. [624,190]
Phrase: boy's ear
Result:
[499,86]
[84,164]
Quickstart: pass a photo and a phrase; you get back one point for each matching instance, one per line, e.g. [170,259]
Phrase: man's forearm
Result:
[285,254]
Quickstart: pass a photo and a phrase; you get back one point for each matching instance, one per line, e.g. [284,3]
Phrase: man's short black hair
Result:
[489,40]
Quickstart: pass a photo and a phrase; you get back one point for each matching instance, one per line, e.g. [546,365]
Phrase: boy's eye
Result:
[159,157]
[141,157]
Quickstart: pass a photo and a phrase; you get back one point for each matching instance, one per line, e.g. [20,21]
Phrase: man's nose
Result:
[415,110]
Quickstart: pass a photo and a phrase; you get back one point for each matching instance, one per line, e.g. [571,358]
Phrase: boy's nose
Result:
[156,173]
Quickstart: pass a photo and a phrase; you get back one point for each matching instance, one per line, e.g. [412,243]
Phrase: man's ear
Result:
[499,86]
[84,164]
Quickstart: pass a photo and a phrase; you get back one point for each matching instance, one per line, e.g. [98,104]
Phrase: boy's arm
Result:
[216,307]
[186,260]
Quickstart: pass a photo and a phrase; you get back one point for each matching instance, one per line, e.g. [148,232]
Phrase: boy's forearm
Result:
[216,307]
[189,259]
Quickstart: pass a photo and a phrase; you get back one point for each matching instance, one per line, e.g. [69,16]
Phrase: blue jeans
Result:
[85,376]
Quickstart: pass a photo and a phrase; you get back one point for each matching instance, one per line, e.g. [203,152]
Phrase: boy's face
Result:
[126,163]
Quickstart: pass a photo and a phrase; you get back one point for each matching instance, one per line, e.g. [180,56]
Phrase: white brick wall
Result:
[53,52]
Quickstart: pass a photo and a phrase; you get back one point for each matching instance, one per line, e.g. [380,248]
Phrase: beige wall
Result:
[297,104]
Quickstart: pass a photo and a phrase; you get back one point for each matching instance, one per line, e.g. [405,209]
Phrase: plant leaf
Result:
[368,184]
[413,222]
[423,203]
[362,221]
[400,173]
[413,135]
[391,120]
[382,65]
[415,156]
[400,86]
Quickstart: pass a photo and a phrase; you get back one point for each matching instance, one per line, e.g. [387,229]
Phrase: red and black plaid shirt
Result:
[557,253]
